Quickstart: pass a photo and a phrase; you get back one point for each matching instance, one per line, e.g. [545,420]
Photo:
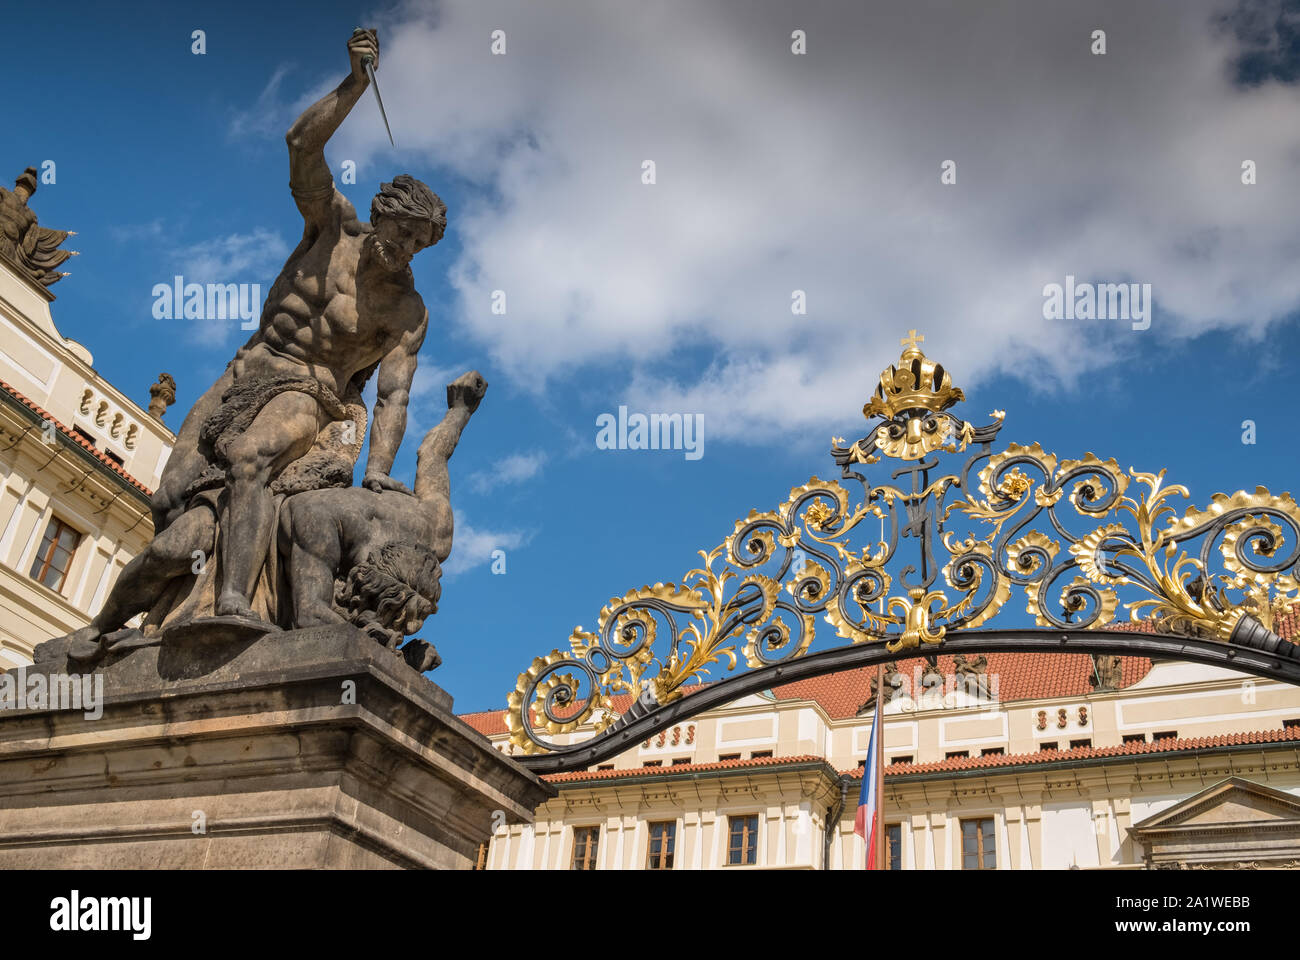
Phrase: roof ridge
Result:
[1164,745]
[616,772]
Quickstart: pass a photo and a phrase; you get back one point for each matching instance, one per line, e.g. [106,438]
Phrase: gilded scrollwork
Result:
[781,571]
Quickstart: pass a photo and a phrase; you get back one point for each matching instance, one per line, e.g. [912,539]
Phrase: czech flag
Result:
[867,823]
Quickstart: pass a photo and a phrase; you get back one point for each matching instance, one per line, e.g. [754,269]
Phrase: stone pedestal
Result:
[299,749]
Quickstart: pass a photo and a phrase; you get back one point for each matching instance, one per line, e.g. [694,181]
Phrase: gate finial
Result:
[915,382]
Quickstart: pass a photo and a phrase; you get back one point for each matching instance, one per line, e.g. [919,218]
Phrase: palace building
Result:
[1021,762]
[78,457]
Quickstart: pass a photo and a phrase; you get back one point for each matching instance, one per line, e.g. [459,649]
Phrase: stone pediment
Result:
[1233,802]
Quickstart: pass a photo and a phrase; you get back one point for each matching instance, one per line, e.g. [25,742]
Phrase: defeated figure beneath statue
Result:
[371,558]
[375,559]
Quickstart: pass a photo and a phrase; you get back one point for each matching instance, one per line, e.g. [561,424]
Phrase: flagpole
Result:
[880,743]
[880,766]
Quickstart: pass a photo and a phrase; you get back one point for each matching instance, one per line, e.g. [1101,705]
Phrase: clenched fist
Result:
[363,44]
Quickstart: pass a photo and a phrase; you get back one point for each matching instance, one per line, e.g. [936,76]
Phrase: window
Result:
[1291,724]
[1076,744]
[83,435]
[760,753]
[1135,738]
[993,752]
[893,846]
[115,458]
[977,852]
[605,766]
[743,844]
[586,841]
[894,760]
[51,564]
[1050,745]
[956,754]
[662,836]
[723,757]
[1165,735]
[678,761]
[653,763]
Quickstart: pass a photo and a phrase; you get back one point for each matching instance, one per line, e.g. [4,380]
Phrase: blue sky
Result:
[774,173]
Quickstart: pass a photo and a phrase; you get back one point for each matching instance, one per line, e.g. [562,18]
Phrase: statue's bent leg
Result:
[282,432]
[186,463]
[313,552]
[170,554]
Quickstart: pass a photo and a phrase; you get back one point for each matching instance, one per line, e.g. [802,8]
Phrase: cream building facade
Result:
[78,461]
[1031,766]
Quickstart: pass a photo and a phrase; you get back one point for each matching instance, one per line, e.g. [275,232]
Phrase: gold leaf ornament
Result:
[1014,483]
[876,622]
[1109,603]
[1020,554]
[1080,497]
[1088,552]
[515,704]
[1001,587]
[1236,542]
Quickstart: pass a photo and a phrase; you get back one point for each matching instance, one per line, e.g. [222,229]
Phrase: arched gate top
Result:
[1080,537]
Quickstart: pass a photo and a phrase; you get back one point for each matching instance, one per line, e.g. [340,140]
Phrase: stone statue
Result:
[245,498]
[1108,670]
[931,677]
[344,304]
[893,687]
[972,675]
[31,247]
[162,395]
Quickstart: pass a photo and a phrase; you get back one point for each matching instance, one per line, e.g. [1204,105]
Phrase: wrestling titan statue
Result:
[283,418]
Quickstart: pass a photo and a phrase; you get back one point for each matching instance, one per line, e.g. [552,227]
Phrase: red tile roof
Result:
[1285,735]
[89,448]
[574,775]
[1018,676]
[490,723]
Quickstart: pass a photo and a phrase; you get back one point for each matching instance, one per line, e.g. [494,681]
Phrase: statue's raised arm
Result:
[310,179]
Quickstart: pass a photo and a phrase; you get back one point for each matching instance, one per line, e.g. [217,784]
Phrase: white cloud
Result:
[270,115]
[821,173]
[472,547]
[222,259]
[430,384]
[254,258]
[515,468]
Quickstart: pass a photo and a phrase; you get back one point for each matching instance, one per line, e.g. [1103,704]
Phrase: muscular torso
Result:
[318,322]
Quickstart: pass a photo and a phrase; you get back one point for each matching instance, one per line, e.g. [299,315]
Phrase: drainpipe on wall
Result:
[833,823]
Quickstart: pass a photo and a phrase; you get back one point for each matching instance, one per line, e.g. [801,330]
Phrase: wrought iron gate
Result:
[1204,585]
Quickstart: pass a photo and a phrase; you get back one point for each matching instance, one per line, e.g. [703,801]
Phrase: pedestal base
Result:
[303,748]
